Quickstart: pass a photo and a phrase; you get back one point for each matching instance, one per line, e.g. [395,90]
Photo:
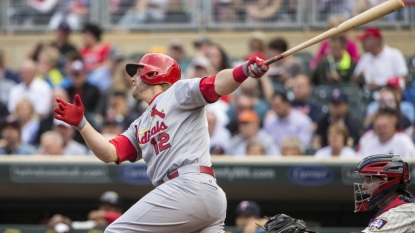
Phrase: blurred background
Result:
[287,143]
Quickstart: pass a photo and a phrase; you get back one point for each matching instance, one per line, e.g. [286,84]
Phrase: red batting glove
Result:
[72,114]
[254,67]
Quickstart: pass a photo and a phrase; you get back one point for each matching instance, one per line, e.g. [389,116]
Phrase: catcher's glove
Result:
[282,223]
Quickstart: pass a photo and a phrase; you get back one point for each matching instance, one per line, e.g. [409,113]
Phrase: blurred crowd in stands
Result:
[334,102]
[133,13]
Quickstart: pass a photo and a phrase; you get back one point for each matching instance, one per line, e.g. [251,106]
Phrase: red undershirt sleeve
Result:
[207,88]
[125,149]
[111,216]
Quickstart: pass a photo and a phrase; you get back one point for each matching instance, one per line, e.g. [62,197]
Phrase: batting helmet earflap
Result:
[157,68]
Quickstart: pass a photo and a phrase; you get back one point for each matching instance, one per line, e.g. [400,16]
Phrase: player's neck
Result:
[386,200]
[151,93]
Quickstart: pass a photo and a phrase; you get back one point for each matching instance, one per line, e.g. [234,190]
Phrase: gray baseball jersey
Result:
[173,131]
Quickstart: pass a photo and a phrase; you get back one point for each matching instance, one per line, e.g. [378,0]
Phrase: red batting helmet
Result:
[157,68]
[392,171]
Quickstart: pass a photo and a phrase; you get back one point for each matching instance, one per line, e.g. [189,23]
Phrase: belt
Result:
[189,169]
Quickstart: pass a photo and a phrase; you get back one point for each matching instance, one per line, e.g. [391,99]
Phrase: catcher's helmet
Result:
[157,68]
[392,171]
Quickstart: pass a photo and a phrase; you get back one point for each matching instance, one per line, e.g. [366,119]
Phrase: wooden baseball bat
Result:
[359,20]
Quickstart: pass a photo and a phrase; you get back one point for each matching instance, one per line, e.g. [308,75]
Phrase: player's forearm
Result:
[100,146]
[228,80]
[225,84]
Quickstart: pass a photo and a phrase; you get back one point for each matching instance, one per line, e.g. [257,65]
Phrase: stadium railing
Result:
[200,15]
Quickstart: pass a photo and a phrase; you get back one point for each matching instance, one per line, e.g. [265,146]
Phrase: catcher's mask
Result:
[382,175]
[157,68]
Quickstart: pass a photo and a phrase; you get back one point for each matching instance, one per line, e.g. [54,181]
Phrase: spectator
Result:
[289,10]
[218,58]
[149,11]
[302,91]
[249,130]
[112,127]
[283,70]
[62,34]
[385,137]
[200,66]
[337,67]
[109,209]
[73,12]
[46,122]
[394,87]
[251,89]
[247,99]
[255,148]
[100,58]
[67,133]
[324,50]
[90,94]
[34,89]
[176,51]
[388,99]
[292,146]
[48,66]
[51,143]
[241,103]
[11,140]
[337,135]
[95,53]
[338,113]
[176,13]
[380,63]
[286,121]
[117,56]
[118,8]
[28,120]
[69,58]
[229,11]
[248,213]
[202,45]
[5,87]
[102,77]
[327,8]
[219,136]
[256,46]
[35,12]
[263,10]
[118,110]
[5,72]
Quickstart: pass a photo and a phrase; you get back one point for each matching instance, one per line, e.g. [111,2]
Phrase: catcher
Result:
[386,177]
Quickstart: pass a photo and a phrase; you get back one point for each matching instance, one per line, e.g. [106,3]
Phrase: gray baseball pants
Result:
[192,202]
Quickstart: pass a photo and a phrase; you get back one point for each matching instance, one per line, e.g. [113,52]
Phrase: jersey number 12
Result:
[161,143]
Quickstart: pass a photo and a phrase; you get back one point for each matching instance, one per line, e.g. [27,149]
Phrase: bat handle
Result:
[274,59]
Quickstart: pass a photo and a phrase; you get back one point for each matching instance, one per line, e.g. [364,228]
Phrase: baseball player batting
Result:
[172,138]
